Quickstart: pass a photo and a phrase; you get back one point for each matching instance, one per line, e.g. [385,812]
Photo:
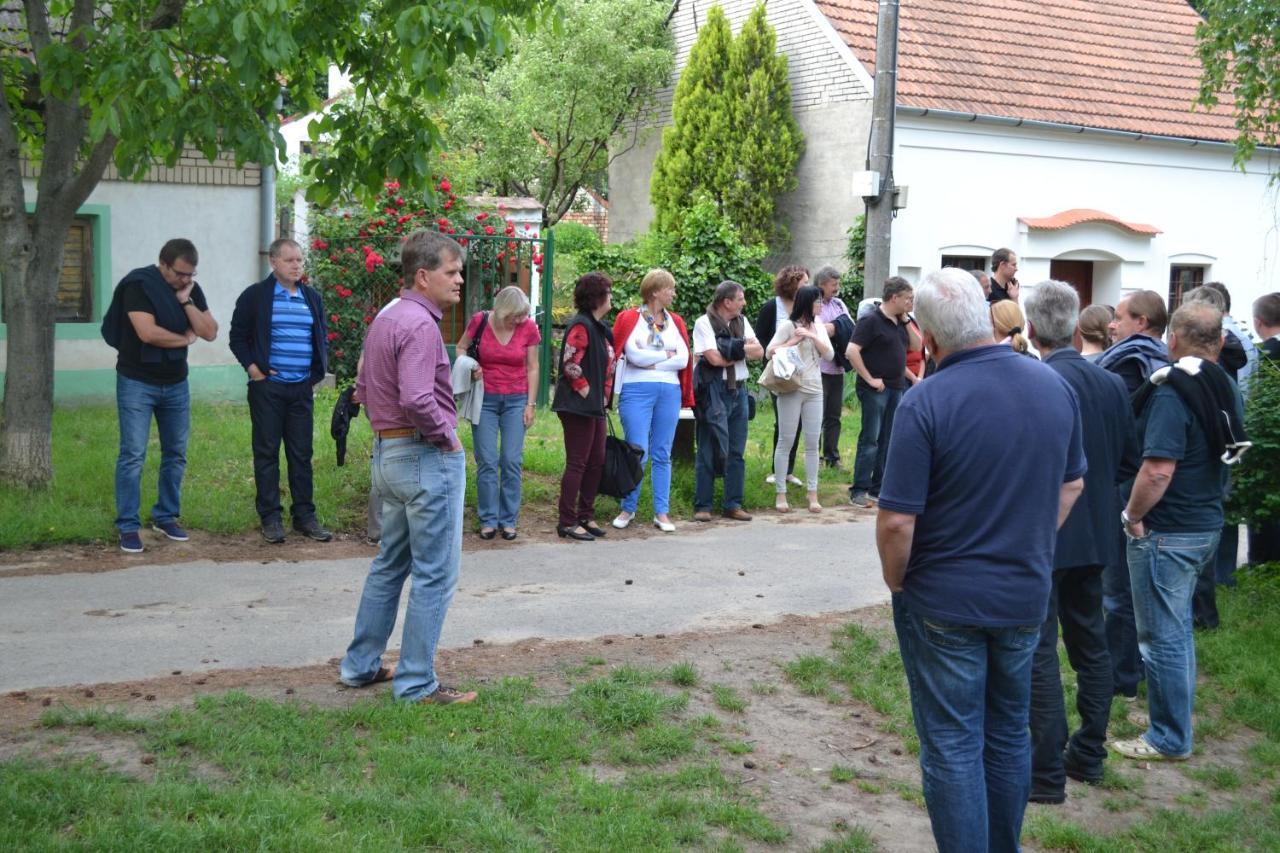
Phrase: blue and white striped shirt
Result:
[290,336]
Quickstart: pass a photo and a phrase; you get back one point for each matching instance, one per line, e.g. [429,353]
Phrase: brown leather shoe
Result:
[448,696]
[702,515]
[737,514]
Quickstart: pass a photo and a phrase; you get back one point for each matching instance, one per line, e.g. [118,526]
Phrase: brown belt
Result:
[400,432]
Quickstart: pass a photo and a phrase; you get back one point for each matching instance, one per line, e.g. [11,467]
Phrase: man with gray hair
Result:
[1084,546]
[1173,518]
[420,471]
[985,463]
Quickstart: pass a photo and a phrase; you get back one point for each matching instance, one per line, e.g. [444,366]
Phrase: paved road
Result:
[66,629]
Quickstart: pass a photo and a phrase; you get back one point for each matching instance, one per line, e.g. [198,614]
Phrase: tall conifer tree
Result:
[697,152]
[733,137]
[766,138]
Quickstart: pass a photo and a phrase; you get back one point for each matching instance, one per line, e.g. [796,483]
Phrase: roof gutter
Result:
[1005,121]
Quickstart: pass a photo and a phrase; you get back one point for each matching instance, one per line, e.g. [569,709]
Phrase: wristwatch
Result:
[1127,521]
[184,304]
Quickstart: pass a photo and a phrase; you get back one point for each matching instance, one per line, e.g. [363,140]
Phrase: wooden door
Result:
[1078,274]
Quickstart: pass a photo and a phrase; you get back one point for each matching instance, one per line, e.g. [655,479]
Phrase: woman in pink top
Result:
[509,366]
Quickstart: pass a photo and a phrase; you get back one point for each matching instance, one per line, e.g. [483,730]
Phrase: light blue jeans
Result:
[422,489]
[1162,569]
[650,412]
[498,471]
[136,403]
[971,698]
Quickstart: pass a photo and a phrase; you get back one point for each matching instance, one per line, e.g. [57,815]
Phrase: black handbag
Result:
[623,468]
[473,348]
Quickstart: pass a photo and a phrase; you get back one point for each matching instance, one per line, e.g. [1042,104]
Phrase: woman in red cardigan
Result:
[654,379]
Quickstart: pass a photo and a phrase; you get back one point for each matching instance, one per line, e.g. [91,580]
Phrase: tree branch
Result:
[37,24]
[167,15]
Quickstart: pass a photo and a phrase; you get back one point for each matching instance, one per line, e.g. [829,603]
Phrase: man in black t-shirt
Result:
[878,352]
[1004,282]
[156,313]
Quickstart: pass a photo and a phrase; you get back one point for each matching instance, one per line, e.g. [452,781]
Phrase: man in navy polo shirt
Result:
[278,334]
[984,465]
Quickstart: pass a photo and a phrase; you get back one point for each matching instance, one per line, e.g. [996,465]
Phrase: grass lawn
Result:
[624,758]
[218,493]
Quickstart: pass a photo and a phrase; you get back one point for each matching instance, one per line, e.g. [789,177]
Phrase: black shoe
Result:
[1048,798]
[312,529]
[592,528]
[273,531]
[1081,772]
[487,534]
[572,533]
[509,533]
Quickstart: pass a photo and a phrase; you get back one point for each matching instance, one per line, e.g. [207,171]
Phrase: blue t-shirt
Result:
[1193,501]
[979,453]
[290,336]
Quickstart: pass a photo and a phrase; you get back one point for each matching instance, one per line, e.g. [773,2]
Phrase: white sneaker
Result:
[664,526]
[770,480]
[622,521]
[793,480]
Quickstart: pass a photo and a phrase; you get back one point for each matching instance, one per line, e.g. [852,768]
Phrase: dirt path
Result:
[796,739]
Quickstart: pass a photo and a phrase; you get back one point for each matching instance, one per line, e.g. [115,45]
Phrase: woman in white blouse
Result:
[653,380]
[802,407]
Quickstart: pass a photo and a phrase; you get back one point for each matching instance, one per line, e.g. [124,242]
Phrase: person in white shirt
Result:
[723,340]
[653,369]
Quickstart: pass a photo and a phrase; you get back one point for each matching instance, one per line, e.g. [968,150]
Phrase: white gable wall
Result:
[969,183]
[830,98]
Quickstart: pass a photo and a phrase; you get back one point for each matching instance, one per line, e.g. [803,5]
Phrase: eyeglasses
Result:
[180,274]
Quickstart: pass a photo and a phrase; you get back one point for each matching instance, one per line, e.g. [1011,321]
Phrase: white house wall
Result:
[969,183]
[223,223]
[830,98]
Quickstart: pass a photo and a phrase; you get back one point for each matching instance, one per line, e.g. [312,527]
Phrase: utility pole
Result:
[880,206]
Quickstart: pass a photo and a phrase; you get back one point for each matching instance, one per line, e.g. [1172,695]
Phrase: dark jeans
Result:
[583,461]
[832,408]
[1076,602]
[791,457]
[704,484]
[878,409]
[282,411]
[970,694]
[1204,603]
[1122,630]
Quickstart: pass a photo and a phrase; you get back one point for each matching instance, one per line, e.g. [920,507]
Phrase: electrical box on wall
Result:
[866,184]
[899,198]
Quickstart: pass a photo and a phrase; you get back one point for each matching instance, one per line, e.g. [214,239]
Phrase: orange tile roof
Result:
[1127,66]
[1077,215]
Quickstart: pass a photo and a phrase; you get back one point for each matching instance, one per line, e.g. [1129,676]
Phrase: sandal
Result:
[1139,750]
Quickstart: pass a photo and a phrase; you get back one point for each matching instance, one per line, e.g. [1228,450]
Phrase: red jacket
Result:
[626,324]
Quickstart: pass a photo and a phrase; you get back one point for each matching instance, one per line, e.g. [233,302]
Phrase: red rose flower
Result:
[333,318]
[488,229]
[368,319]
[482,216]
[448,204]
[393,185]
[332,336]
[319,245]
[445,186]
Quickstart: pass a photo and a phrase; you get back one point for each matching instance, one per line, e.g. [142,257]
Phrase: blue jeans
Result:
[422,489]
[1122,633]
[878,409]
[498,472]
[1163,568]
[970,694]
[650,412]
[735,466]
[136,403]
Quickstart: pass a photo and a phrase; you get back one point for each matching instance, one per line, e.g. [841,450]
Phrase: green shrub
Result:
[572,237]
[851,283]
[1254,496]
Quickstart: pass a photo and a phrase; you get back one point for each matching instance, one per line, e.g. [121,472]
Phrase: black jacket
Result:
[250,337]
[1110,439]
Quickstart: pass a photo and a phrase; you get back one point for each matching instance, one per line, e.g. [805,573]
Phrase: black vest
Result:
[595,366]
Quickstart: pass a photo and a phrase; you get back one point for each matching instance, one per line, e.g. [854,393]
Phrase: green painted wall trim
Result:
[99,216]
[219,382]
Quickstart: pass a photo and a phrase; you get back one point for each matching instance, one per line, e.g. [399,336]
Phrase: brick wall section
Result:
[818,72]
[596,219]
[191,169]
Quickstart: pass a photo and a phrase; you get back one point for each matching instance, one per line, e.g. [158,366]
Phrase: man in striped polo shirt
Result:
[278,334]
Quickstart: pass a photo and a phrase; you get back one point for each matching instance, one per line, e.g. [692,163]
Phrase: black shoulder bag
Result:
[473,349]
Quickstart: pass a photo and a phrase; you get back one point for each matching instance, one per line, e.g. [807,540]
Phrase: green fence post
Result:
[544,302]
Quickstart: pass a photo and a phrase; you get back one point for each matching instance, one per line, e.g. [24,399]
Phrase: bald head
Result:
[1196,329]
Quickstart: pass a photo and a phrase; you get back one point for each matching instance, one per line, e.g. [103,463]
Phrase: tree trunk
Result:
[26,456]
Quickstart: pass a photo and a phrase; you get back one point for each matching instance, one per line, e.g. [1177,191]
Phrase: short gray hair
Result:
[825,274]
[1206,294]
[950,307]
[1053,309]
[426,249]
[510,302]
